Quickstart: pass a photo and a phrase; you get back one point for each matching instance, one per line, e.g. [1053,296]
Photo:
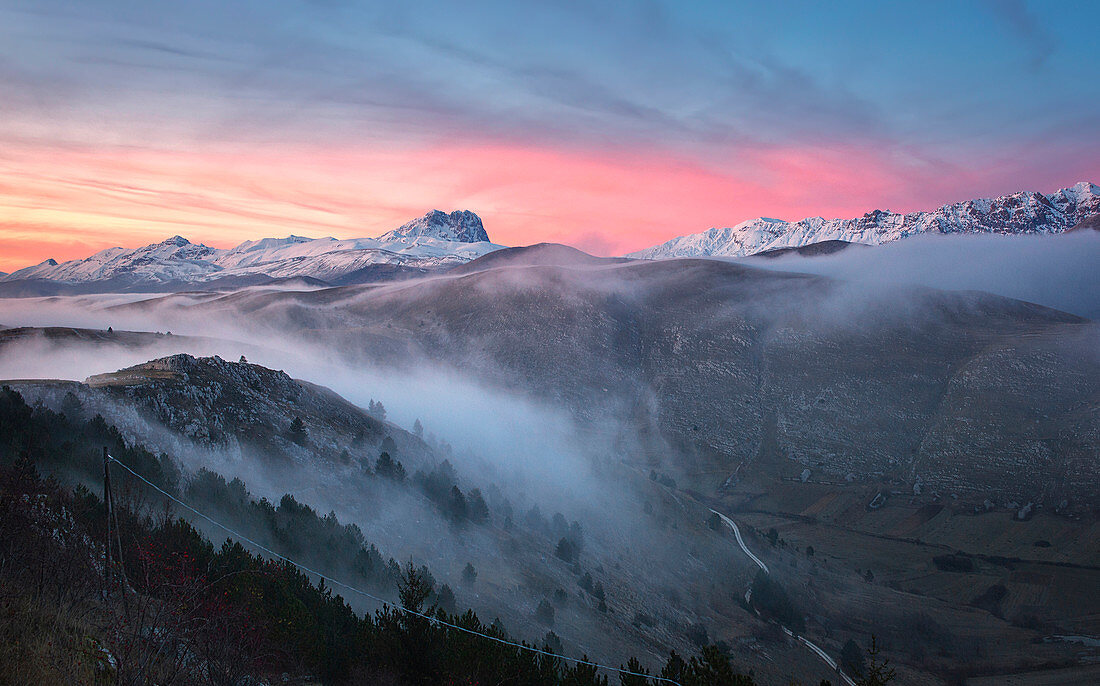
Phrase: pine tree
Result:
[713,666]
[414,587]
[476,507]
[552,643]
[298,432]
[376,410]
[386,467]
[418,428]
[583,674]
[446,598]
[565,551]
[545,612]
[878,673]
[469,574]
[675,668]
[457,505]
[633,665]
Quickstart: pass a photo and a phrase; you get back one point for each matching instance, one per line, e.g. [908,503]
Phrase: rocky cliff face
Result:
[219,404]
[461,225]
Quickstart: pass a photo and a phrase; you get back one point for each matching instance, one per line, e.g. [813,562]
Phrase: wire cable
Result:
[434,620]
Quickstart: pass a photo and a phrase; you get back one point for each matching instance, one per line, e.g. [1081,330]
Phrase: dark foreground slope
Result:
[168,607]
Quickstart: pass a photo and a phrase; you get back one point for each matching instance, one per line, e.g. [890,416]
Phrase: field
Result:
[951,593]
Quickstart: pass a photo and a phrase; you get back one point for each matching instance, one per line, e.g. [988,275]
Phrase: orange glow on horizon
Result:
[67,203]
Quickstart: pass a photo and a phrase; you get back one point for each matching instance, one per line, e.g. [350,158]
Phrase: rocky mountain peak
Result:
[461,225]
[1023,212]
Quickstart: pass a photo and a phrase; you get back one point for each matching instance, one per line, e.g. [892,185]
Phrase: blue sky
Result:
[802,108]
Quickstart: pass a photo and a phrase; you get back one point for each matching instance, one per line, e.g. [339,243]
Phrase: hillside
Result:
[736,368]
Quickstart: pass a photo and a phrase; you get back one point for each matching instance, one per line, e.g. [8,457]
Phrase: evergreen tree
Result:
[552,643]
[675,668]
[469,574]
[414,587]
[877,673]
[376,410]
[457,505]
[297,431]
[583,674]
[633,665]
[565,551]
[712,667]
[385,467]
[477,508]
[71,407]
[545,612]
[446,599]
[418,428]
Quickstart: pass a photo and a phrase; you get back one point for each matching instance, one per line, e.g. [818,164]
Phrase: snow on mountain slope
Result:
[172,259]
[432,241]
[460,225]
[1027,212]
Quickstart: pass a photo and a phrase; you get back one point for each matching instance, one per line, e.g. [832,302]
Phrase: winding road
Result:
[801,639]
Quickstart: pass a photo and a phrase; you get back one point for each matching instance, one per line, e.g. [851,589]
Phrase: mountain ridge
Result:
[1024,212]
[433,241]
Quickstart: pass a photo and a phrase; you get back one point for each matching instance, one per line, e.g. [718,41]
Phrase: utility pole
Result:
[107,509]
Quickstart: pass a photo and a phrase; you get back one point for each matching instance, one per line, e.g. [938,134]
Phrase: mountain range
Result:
[1026,212]
[427,243]
[439,241]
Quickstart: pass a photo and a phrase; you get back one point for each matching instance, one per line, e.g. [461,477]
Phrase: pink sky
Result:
[67,202]
[610,127]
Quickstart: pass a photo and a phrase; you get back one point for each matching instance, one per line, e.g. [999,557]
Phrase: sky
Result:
[610,126]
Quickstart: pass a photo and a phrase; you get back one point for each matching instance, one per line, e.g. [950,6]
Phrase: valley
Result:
[883,433]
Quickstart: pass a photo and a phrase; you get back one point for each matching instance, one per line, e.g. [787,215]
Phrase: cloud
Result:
[1037,40]
[1057,271]
[230,122]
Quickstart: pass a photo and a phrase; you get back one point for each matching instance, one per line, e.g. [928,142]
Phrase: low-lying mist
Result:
[1058,271]
[533,455]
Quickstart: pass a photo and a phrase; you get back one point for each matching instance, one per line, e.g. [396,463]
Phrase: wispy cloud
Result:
[1037,41]
[608,124]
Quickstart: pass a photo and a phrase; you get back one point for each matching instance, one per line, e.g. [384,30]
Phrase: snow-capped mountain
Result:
[460,225]
[1027,212]
[435,240]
